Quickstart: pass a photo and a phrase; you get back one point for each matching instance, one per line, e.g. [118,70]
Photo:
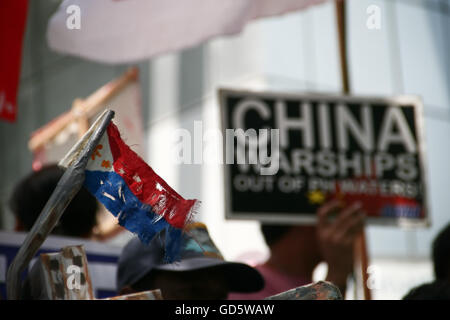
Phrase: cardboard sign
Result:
[288,154]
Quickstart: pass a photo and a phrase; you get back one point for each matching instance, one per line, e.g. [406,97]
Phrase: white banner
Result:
[130,30]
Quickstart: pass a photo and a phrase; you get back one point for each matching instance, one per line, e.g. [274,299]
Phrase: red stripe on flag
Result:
[148,187]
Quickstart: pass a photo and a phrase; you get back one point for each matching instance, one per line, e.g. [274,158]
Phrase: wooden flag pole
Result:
[67,187]
[362,256]
[360,248]
[342,42]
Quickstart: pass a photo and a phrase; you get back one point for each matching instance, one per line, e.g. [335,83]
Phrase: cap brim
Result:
[241,277]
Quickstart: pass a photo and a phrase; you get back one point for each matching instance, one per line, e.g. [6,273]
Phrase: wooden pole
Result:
[363,258]
[81,110]
[69,184]
[80,117]
[342,41]
[360,248]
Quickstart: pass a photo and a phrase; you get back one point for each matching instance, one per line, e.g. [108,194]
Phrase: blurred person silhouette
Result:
[441,255]
[201,273]
[436,290]
[32,193]
[439,289]
[296,250]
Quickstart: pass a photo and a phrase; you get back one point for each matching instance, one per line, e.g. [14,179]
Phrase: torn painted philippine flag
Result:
[143,202]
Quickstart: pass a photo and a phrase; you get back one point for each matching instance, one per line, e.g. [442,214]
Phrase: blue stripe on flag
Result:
[112,191]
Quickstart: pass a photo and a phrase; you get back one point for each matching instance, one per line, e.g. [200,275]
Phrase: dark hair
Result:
[31,194]
[437,290]
[274,232]
[441,254]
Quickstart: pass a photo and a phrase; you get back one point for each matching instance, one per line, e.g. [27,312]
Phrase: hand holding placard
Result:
[336,238]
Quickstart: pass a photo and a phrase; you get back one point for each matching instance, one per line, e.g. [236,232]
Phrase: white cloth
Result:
[121,31]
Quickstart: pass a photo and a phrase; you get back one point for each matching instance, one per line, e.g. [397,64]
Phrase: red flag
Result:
[13,14]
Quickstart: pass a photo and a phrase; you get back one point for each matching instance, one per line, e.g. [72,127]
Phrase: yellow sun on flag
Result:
[316,197]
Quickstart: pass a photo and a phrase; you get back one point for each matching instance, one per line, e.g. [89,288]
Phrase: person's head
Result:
[437,290]
[32,193]
[441,254]
[201,272]
[289,238]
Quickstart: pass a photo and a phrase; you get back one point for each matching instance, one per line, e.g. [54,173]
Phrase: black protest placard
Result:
[285,155]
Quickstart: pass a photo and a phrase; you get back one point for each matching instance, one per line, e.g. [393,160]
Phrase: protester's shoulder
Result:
[263,268]
[269,272]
